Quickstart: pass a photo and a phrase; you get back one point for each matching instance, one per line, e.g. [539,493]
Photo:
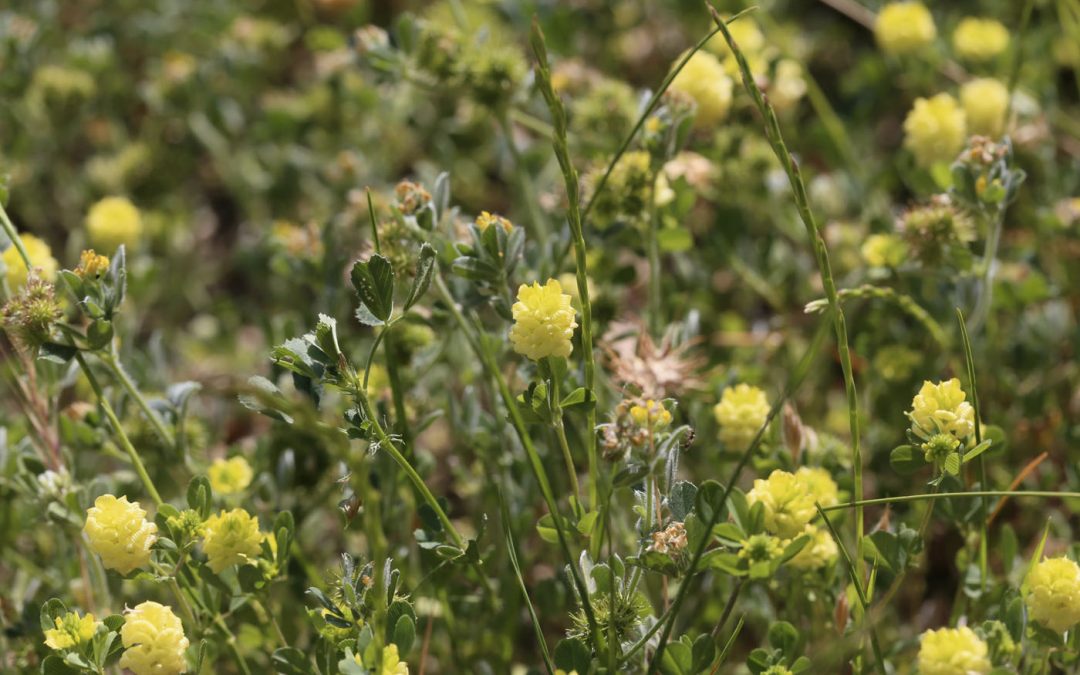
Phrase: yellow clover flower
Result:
[1053,593]
[904,28]
[953,651]
[71,630]
[229,476]
[985,101]
[820,484]
[231,538]
[704,79]
[652,414]
[114,221]
[41,260]
[819,552]
[486,220]
[543,321]
[154,641]
[935,129]
[942,409]
[91,265]
[119,532]
[788,503]
[742,410]
[978,40]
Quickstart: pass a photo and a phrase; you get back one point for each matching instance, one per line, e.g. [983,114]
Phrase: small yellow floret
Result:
[652,414]
[231,538]
[820,552]
[985,101]
[935,129]
[543,321]
[741,412]
[41,260]
[119,532]
[788,503]
[978,40]
[154,641]
[953,651]
[229,476]
[91,265]
[904,28]
[820,484]
[71,630]
[486,220]
[114,221]
[1053,593]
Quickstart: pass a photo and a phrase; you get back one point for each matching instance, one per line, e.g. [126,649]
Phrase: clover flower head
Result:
[41,260]
[71,630]
[935,129]
[819,552]
[114,221]
[761,548]
[544,321]
[985,102]
[904,28]
[411,197]
[671,539]
[741,412]
[154,640]
[787,500]
[651,414]
[391,662]
[820,484]
[941,408]
[231,538]
[953,651]
[1053,593]
[705,80]
[229,476]
[31,313]
[119,532]
[977,40]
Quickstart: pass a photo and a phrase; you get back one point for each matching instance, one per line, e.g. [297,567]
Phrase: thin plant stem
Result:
[654,264]
[821,253]
[13,235]
[575,219]
[125,442]
[1042,494]
[554,396]
[981,459]
[859,591]
[109,358]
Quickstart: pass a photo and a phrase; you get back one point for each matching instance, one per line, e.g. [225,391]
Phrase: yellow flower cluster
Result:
[154,641]
[985,101]
[935,129]
[820,484]
[819,552]
[704,80]
[229,476]
[953,651]
[1053,593]
[543,321]
[231,538]
[741,412]
[884,250]
[942,408]
[486,220]
[71,630]
[904,28]
[41,260]
[91,265]
[979,40]
[652,415]
[114,221]
[788,503]
[119,532]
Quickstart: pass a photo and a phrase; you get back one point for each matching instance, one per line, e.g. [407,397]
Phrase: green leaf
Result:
[425,269]
[404,633]
[681,499]
[677,660]
[53,608]
[54,665]
[708,501]
[373,280]
[290,661]
[284,528]
[572,654]
[99,334]
[56,352]
[976,451]
[580,397]
[200,495]
[785,637]
[907,459]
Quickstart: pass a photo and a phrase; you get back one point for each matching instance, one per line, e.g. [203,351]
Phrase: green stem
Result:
[111,362]
[13,235]
[654,265]
[125,442]
[554,396]
[1043,494]
[983,511]
[821,253]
